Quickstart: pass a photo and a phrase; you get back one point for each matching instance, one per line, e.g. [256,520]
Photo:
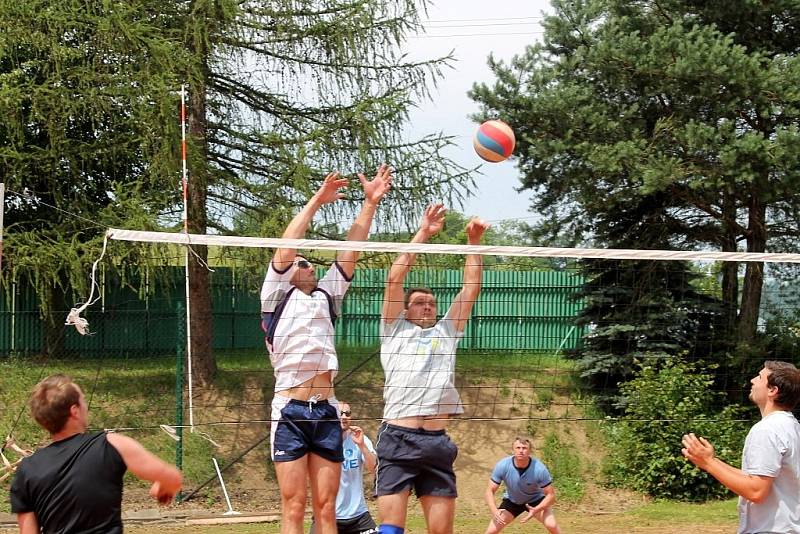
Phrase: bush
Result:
[645,443]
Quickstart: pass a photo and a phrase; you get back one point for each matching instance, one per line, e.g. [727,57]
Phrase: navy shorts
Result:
[363,524]
[415,458]
[302,427]
[516,509]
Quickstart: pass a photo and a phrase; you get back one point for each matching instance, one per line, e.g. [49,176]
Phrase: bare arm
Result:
[28,524]
[548,501]
[498,517]
[432,222]
[374,191]
[370,458]
[461,308]
[488,496]
[328,192]
[166,479]
[700,452]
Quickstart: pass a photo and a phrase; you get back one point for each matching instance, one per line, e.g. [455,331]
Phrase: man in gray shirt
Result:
[418,357]
[768,484]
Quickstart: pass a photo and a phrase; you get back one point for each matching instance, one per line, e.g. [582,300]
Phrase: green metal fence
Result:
[516,311]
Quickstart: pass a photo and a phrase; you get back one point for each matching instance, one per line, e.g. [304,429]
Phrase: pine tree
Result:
[688,103]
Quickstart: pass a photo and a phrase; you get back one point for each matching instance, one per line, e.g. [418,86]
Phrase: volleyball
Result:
[494,141]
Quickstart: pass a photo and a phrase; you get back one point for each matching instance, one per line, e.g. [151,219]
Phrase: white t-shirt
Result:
[350,501]
[419,368]
[302,345]
[772,449]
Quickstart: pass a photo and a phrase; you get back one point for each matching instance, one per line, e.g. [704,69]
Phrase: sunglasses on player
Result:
[345,413]
[302,264]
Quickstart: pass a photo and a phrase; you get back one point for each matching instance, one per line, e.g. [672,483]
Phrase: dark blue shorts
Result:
[363,524]
[301,427]
[516,509]
[415,458]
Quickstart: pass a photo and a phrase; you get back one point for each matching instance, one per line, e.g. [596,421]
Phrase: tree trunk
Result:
[54,330]
[730,269]
[754,273]
[204,366]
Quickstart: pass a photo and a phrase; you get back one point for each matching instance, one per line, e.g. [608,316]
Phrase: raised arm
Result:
[166,478]
[473,271]
[700,452]
[327,193]
[374,191]
[432,222]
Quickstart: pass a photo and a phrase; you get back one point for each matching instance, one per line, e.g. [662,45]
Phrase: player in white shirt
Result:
[768,484]
[418,358]
[298,314]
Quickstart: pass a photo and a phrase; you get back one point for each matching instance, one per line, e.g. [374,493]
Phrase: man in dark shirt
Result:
[75,483]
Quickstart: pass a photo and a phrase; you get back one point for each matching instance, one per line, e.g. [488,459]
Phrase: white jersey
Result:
[299,327]
[419,368]
[772,449]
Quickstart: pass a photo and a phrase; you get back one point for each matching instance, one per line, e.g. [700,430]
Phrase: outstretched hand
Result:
[697,450]
[375,189]
[475,229]
[531,512]
[329,190]
[432,219]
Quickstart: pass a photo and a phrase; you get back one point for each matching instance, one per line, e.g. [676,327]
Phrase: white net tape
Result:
[486,250]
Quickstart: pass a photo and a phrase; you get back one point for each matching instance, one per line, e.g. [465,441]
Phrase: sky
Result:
[472,32]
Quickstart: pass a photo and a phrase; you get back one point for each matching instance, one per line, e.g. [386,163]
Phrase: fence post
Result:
[180,344]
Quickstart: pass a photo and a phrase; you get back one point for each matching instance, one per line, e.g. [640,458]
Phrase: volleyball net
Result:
[558,338]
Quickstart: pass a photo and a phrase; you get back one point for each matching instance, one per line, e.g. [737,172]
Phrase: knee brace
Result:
[390,529]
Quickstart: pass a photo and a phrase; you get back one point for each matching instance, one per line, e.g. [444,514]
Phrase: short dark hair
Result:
[51,401]
[786,377]
[412,290]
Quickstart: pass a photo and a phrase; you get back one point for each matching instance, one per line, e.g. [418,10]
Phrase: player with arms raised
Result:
[418,357]
[298,314]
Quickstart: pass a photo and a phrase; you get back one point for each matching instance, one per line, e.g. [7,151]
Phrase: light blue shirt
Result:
[350,501]
[525,487]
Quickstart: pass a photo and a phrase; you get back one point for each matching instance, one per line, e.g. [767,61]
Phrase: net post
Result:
[180,344]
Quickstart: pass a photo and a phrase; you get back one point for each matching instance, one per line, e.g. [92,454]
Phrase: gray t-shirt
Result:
[419,368]
[772,449]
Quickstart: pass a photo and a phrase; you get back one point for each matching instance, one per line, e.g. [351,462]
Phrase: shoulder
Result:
[541,469]
[122,444]
[503,464]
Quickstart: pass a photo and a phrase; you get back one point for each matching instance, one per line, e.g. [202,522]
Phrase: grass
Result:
[687,513]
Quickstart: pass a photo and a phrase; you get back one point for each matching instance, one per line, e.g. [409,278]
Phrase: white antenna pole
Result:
[185,183]
[224,490]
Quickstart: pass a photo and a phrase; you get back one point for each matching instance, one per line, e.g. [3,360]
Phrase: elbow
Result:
[757,496]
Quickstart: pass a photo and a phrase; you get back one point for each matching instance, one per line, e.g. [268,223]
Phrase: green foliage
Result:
[640,313]
[645,443]
[690,108]
[565,466]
